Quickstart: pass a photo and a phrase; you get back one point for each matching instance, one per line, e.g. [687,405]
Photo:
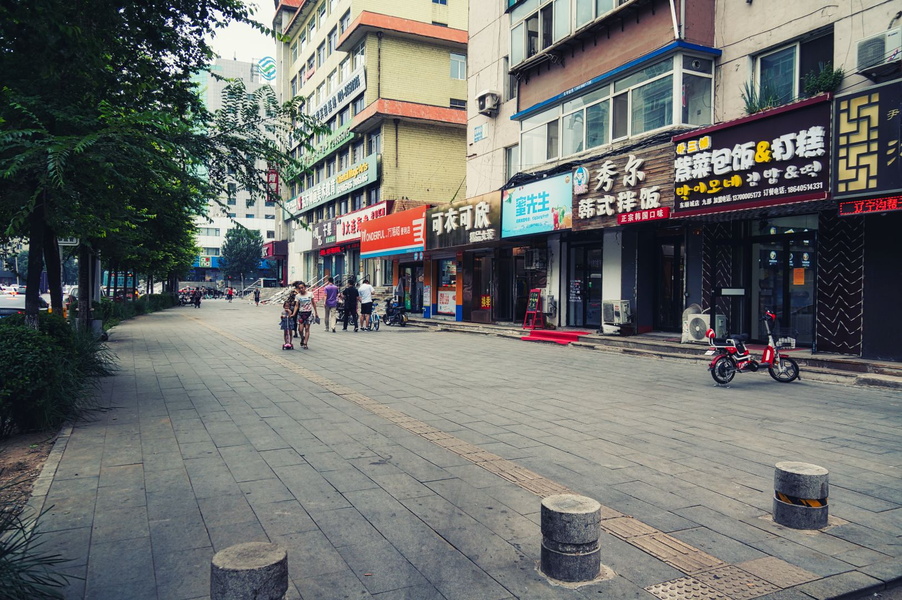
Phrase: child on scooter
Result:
[287,327]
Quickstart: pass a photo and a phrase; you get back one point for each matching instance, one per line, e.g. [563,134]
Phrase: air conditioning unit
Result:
[615,312]
[487,103]
[534,259]
[880,55]
[695,325]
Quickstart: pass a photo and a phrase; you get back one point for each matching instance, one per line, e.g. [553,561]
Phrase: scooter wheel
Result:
[376,324]
[403,320]
[724,370]
[784,369]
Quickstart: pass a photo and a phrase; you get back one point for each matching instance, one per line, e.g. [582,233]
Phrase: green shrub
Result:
[39,381]
[25,570]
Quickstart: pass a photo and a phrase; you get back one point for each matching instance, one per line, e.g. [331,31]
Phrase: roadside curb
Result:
[42,484]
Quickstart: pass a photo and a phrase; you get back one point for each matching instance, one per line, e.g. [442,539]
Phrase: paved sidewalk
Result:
[410,463]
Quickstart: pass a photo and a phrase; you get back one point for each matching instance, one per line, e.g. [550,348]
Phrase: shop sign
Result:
[351,88]
[358,175]
[324,234]
[580,181]
[330,251]
[398,233]
[349,225]
[538,207]
[867,142]
[447,303]
[869,205]
[470,221]
[625,186]
[341,136]
[779,157]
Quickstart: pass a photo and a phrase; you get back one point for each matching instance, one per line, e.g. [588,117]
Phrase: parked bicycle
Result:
[731,356]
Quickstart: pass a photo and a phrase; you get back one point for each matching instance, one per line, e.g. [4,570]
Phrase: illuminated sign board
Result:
[871,205]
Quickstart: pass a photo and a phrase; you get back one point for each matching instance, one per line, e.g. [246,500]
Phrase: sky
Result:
[243,42]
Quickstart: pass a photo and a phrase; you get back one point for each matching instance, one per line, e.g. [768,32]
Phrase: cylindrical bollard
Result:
[252,570]
[800,495]
[571,526]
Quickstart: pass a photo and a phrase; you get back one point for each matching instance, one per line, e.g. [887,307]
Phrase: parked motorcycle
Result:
[395,314]
[731,356]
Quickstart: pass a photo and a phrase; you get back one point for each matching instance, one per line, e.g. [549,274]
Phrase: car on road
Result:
[13,305]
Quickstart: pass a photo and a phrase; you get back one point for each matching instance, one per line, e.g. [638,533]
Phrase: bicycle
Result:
[731,356]
[375,319]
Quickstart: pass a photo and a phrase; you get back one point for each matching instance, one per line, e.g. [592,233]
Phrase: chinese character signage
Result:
[349,90]
[779,157]
[398,233]
[537,207]
[868,142]
[324,233]
[461,223]
[623,189]
[357,176]
[349,225]
[870,205]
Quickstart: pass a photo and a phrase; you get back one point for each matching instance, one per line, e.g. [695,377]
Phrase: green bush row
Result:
[111,312]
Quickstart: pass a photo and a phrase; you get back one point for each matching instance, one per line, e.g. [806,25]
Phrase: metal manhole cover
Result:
[685,588]
[736,583]
[778,572]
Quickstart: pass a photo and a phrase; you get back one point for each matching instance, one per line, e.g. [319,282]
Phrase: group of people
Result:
[300,309]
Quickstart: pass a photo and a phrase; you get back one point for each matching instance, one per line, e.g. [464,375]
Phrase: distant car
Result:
[13,305]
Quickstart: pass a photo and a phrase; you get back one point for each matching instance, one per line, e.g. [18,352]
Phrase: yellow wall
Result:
[428,83]
[454,14]
[430,162]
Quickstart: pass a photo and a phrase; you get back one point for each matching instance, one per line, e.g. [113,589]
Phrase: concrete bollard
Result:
[800,495]
[253,570]
[571,526]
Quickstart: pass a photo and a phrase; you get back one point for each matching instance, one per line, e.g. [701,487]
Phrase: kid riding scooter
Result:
[731,356]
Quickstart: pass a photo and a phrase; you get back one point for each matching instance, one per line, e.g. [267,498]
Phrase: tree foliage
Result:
[104,137]
[241,252]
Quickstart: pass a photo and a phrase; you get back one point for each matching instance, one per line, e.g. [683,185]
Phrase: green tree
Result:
[102,131]
[241,253]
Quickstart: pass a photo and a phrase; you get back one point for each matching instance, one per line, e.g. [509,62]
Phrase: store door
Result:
[503,306]
[669,265]
[783,281]
[585,287]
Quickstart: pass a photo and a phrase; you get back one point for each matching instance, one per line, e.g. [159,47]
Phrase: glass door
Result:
[669,284]
[783,281]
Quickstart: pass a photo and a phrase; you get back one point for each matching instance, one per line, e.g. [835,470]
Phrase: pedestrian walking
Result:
[331,303]
[350,296]
[306,312]
[286,325]
[229,293]
[256,296]
[366,303]
[197,297]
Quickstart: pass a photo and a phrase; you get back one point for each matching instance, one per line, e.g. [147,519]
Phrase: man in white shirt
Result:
[366,303]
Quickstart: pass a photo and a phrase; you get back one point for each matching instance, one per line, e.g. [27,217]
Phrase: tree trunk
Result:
[35,264]
[54,269]
[85,264]
[114,275]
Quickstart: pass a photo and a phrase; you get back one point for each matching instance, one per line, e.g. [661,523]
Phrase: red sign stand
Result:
[535,318]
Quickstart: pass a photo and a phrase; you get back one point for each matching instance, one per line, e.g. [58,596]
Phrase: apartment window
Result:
[538,24]
[294,86]
[781,72]
[445,2]
[357,152]
[270,234]
[270,216]
[311,29]
[642,101]
[333,40]
[357,200]
[458,66]
[359,54]
[294,52]
[511,161]
[358,104]
[311,65]
[510,81]
[373,196]
[332,5]
[330,168]
[302,43]
[321,54]
[333,81]
[342,161]
[230,215]
[248,215]
[457,103]
[345,22]
[344,70]
[208,231]
[322,13]
[344,116]
[374,142]
[210,252]
[321,93]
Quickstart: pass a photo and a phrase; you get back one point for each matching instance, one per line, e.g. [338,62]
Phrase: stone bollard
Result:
[253,570]
[571,526]
[800,495]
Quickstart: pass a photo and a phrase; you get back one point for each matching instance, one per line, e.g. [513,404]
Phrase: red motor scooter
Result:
[731,356]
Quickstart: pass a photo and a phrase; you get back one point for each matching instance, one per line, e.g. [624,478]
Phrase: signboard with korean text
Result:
[398,233]
[778,157]
[353,86]
[623,189]
[464,222]
[538,207]
[348,227]
[324,234]
[867,143]
[356,176]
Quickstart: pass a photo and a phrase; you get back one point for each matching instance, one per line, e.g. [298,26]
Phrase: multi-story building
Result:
[676,158]
[388,79]
[236,206]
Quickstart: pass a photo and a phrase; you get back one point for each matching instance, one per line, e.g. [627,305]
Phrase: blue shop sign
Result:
[538,207]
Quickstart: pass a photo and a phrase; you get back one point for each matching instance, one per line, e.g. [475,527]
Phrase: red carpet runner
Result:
[558,337]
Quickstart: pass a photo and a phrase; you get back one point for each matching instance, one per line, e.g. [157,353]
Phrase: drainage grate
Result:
[778,572]
[675,553]
[736,583]
[686,588]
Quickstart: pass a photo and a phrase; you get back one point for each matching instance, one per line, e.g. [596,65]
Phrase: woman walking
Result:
[306,312]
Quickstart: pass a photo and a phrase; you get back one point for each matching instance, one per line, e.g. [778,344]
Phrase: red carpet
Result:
[558,337]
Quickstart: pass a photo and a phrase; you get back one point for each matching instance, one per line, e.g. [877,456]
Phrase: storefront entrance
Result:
[783,281]
[669,269]
[584,287]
